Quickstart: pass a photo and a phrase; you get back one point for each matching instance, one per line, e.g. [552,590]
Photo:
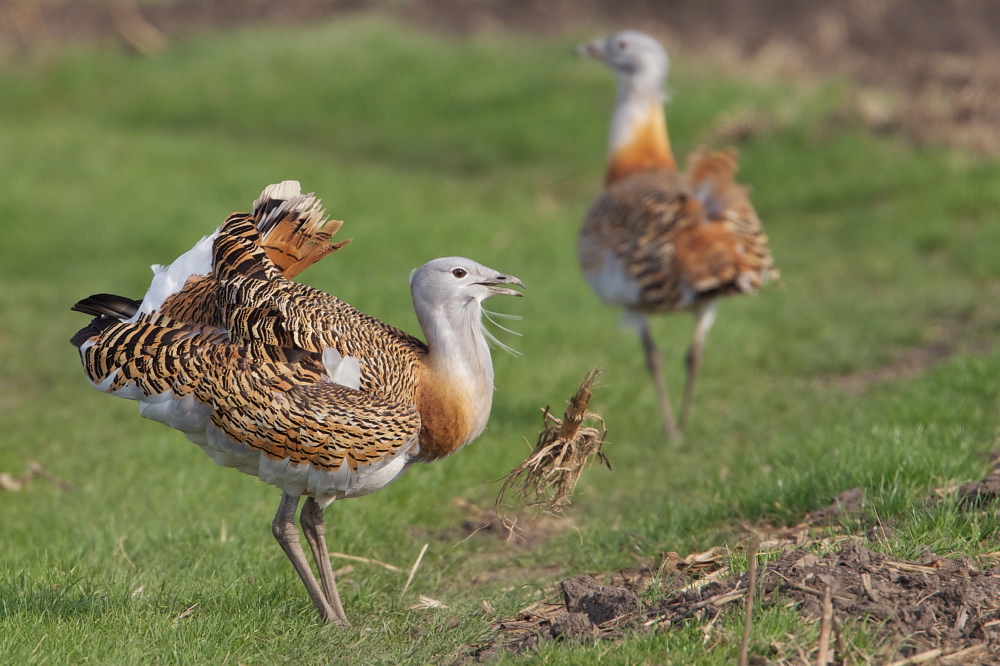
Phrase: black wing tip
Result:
[106,309]
[107,305]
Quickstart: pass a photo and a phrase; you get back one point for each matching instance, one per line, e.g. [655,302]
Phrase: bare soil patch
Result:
[938,610]
[965,333]
[943,608]
[978,493]
[910,364]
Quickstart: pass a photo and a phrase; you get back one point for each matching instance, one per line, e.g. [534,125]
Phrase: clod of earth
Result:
[976,493]
[601,604]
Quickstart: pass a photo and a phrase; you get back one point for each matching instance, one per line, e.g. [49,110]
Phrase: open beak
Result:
[495,285]
[594,49]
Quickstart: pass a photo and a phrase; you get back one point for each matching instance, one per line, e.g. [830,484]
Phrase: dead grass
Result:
[548,478]
[34,470]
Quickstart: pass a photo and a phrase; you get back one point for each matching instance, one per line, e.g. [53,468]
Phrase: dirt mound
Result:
[977,493]
[939,604]
[942,608]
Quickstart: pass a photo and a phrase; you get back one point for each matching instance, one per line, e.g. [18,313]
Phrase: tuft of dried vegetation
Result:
[548,478]
[34,470]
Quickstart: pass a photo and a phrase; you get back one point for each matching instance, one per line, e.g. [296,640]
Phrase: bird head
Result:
[637,59]
[459,280]
[448,295]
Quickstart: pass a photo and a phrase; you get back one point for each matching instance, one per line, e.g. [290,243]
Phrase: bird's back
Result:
[250,295]
[660,240]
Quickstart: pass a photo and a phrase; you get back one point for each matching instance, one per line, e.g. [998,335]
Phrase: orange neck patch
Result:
[646,146]
[447,416]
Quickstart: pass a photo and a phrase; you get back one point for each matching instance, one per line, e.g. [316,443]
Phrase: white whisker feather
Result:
[492,339]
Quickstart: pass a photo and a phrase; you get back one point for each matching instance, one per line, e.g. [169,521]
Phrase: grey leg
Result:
[314,529]
[284,530]
[705,318]
[654,365]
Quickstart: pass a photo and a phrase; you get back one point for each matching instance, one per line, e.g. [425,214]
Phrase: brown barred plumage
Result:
[283,381]
[657,240]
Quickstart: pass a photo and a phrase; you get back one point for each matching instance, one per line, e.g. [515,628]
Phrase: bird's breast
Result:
[453,412]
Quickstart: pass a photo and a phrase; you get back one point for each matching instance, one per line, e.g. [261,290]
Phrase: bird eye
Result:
[623,45]
[459,273]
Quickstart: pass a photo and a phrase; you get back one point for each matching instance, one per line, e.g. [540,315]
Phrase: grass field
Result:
[489,148]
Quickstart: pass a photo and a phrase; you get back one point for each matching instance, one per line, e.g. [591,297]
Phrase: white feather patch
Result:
[282,191]
[612,282]
[343,370]
[185,414]
[168,280]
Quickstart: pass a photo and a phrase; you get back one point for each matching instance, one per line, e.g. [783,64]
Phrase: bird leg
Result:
[654,365]
[314,529]
[705,318]
[284,530]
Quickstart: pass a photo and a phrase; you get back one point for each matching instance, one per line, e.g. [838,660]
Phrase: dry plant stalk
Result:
[549,476]
[16,483]
[751,586]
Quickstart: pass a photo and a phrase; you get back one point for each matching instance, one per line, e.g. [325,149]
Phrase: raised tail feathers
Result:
[711,176]
[723,250]
[294,230]
[286,233]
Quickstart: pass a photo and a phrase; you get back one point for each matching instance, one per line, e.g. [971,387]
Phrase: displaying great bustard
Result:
[289,384]
[658,240]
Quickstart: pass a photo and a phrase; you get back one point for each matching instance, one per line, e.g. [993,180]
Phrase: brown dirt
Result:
[978,493]
[910,364]
[966,333]
[938,610]
[929,68]
[946,605]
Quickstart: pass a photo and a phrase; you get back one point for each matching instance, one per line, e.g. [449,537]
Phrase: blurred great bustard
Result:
[657,240]
[286,383]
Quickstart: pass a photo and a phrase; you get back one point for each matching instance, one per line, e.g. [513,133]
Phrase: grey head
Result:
[639,61]
[447,298]
[458,280]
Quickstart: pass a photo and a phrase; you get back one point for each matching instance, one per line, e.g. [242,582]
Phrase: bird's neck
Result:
[638,139]
[456,386]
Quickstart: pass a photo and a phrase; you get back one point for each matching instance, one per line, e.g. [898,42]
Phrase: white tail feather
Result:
[168,280]
[282,191]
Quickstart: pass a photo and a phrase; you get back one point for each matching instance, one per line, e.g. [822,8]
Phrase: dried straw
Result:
[549,476]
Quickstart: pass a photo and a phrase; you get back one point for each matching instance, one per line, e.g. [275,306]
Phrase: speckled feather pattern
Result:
[248,342]
[676,249]
[260,399]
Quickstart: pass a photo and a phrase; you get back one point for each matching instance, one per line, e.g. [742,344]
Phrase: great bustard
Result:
[657,240]
[286,383]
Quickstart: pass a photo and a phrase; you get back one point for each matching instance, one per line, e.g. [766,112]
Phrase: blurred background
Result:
[930,68]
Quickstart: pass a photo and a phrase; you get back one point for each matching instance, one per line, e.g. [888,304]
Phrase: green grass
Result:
[490,148]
